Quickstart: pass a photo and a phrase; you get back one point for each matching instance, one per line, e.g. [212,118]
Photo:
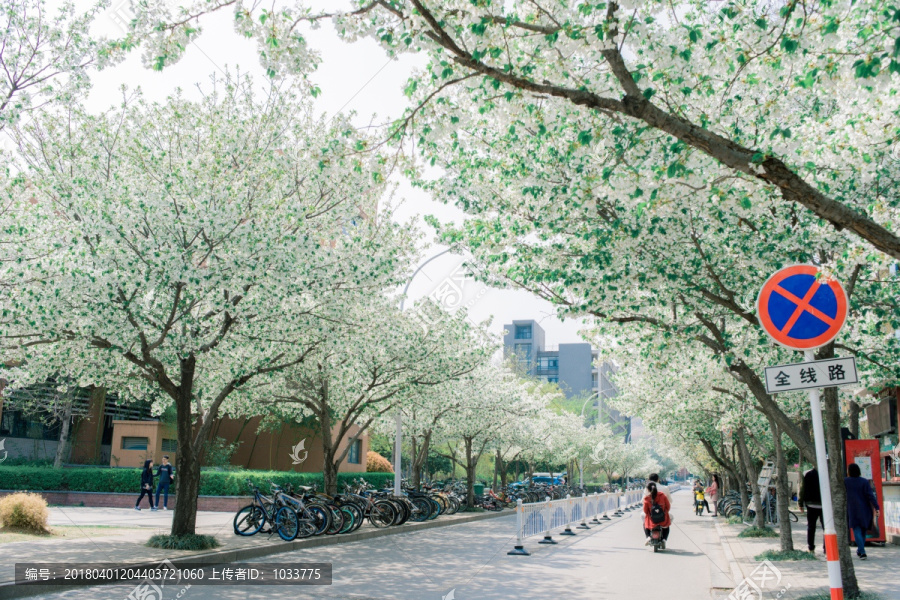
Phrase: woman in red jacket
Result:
[650,499]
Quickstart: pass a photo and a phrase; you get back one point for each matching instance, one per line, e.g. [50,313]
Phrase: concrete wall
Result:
[575,369]
[154,431]
[271,450]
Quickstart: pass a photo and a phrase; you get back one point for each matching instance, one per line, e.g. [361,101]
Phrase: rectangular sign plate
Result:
[807,375]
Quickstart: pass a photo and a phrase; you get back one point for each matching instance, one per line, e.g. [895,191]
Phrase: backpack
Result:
[657,514]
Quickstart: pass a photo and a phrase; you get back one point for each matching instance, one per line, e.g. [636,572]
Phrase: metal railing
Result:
[538,518]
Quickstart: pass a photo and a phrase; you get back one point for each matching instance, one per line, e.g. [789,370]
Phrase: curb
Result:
[736,573]
[11,590]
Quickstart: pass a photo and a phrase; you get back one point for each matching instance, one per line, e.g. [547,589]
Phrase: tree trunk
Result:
[64,426]
[497,461]
[419,460]
[470,473]
[854,419]
[329,466]
[783,491]
[329,473]
[187,461]
[753,476]
[413,462]
[742,485]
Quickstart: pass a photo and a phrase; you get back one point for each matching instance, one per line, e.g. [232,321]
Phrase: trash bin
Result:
[479,489]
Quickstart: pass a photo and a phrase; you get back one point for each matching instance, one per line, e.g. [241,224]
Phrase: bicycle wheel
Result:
[249,520]
[307,525]
[349,519]
[337,520]
[286,523]
[436,509]
[422,509]
[382,514]
[322,518]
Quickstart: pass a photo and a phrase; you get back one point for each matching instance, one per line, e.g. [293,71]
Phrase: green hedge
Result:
[212,483]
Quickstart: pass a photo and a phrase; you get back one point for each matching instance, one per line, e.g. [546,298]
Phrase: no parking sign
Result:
[801,309]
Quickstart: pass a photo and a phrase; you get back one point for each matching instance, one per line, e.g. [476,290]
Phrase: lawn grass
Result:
[758,532]
[776,555]
[735,520]
[9,534]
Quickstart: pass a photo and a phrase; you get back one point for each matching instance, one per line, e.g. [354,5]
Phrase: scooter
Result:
[698,503]
[656,539]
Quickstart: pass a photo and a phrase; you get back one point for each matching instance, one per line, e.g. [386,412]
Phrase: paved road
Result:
[609,561]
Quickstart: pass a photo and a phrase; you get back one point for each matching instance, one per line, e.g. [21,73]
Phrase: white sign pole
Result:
[831,546]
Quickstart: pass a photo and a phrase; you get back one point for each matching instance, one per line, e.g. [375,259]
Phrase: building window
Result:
[553,380]
[523,332]
[355,448]
[594,379]
[547,363]
[169,445]
[135,443]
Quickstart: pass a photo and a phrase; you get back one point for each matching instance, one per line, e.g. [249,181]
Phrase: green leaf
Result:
[789,45]
[585,137]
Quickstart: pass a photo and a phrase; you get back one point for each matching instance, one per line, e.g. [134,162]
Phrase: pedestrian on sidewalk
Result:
[861,503]
[651,500]
[166,475]
[811,499]
[712,492]
[146,486]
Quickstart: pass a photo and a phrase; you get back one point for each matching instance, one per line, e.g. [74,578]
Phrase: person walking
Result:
[810,498]
[712,492]
[654,497]
[861,502]
[166,475]
[146,486]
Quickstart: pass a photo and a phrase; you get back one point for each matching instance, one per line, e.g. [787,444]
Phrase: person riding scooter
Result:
[656,518]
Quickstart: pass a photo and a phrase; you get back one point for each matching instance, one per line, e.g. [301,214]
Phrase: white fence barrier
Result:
[538,518]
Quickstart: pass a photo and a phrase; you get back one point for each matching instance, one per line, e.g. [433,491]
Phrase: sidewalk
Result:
[129,547]
[878,574]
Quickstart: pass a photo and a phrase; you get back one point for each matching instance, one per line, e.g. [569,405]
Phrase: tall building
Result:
[571,366]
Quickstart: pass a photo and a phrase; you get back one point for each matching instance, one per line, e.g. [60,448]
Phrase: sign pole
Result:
[831,544]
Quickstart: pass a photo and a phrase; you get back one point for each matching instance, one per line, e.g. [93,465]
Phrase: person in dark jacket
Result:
[811,499]
[166,475]
[861,502]
[146,485]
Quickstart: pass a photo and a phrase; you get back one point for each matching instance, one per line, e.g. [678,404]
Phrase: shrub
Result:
[183,542]
[758,532]
[212,483]
[779,555]
[735,520]
[24,511]
[376,463]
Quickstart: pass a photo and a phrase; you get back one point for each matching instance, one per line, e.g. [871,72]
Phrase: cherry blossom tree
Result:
[193,248]
[683,92]
[378,358]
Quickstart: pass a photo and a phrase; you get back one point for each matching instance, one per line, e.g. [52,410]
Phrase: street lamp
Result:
[398,416]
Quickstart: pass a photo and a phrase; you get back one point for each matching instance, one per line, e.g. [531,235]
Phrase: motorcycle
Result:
[656,539]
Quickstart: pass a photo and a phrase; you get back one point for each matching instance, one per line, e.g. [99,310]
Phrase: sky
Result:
[356,78]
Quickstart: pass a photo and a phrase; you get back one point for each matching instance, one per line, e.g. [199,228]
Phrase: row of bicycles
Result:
[303,512]
[730,506]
